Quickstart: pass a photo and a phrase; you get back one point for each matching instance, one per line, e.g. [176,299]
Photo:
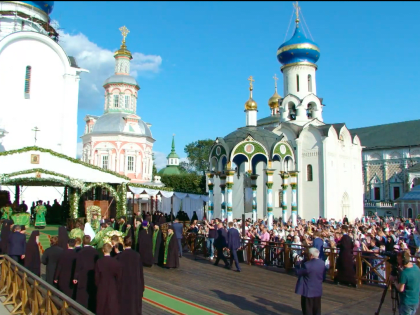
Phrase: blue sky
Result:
[198,56]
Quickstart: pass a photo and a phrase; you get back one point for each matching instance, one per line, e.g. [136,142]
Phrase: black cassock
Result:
[85,276]
[132,280]
[172,260]
[64,273]
[158,248]
[63,237]
[145,248]
[345,268]
[50,259]
[5,231]
[108,272]
[32,256]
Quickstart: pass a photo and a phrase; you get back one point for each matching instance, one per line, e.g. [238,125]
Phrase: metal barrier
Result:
[29,294]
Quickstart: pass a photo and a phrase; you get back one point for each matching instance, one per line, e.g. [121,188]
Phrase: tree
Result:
[186,168]
[154,169]
[198,154]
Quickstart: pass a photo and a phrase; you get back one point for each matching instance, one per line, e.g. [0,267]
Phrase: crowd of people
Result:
[102,271]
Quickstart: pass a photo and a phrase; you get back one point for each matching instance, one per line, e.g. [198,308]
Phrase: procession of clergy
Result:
[99,265]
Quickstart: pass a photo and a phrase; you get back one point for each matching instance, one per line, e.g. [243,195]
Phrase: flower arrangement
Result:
[108,235]
[91,211]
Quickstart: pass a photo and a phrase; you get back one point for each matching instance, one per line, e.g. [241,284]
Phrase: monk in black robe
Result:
[171,251]
[32,256]
[145,245]
[131,293]
[5,231]
[108,274]
[64,274]
[156,243]
[84,275]
[50,259]
[63,237]
[346,273]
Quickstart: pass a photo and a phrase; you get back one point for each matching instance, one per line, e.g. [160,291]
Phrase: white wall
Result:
[52,106]
[290,82]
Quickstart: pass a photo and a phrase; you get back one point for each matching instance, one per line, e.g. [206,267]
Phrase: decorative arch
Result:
[311,99]
[375,179]
[374,157]
[356,140]
[214,165]
[256,159]
[218,150]
[282,149]
[101,185]
[222,162]
[395,155]
[288,164]
[249,147]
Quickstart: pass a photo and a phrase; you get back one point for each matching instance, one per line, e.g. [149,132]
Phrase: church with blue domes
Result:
[290,164]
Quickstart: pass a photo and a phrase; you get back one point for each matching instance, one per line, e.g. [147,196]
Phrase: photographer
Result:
[408,285]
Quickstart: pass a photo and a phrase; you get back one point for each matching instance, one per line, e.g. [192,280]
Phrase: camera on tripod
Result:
[393,261]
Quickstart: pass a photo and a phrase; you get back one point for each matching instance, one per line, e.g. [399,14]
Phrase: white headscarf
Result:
[89,231]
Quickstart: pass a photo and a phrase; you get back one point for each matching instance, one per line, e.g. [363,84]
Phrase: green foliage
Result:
[186,168]
[154,170]
[151,187]
[198,154]
[188,183]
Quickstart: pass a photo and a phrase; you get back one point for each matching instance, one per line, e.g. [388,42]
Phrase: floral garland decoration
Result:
[102,185]
[110,234]
[122,200]
[151,187]
[35,148]
[74,204]
[93,210]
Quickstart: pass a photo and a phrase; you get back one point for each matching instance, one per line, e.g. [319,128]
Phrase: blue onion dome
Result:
[298,49]
[46,6]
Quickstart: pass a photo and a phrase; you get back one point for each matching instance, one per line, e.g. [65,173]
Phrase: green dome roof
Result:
[173,154]
[170,170]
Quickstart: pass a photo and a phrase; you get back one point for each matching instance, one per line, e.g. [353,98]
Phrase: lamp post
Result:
[293,184]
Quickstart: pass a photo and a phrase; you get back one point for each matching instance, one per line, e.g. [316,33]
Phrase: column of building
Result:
[285,177]
[210,184]
[254,197]
[293,184]
[269,184]
[229,197]
[223,196]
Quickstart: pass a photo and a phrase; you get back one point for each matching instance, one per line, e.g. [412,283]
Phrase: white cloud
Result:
[160,160]
[100,63]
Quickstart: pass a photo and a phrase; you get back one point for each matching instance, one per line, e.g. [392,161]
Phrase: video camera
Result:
[392,260]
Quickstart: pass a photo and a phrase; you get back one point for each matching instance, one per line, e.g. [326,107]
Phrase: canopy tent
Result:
[35,166]
[181,201]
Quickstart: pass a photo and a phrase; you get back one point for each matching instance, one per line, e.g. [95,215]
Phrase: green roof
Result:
[170,170]
[401,134]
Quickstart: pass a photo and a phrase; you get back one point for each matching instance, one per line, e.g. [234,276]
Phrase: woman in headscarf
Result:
[63,237]
[32,256]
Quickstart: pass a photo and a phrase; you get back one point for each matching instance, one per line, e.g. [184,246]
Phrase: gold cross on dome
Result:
[297,8]
[124,32]
[250,79]
[275,80]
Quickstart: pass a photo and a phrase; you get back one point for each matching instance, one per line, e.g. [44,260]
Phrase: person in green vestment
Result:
[96,225]
[77,231]
[171,252]
[98,241]
[137,225]
[6,212]
[40,212]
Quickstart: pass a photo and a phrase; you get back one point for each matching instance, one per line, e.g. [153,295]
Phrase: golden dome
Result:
[123,51]
[273,102]
[251,104]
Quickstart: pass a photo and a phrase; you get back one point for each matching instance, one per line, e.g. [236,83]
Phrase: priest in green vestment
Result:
[77,232]
[171,252]
[96,225]
[6,212]
[98,241]
[40,212]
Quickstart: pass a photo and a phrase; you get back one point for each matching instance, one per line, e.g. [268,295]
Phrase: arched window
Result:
[309,83]
[116,97]
[297,82]
[410,213]
[127,101]
[28,81]
[309,173]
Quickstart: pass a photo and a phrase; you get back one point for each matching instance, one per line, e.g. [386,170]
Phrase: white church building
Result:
[291,163]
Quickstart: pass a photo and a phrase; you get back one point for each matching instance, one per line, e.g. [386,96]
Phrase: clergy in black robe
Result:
[131,293]
[32,256]
[346,273]
[64,274]
[50,259]
[145,245]
[108,273]
[63,237]
[84,275]
[156,243]
[117,247]
[5,231]
[171,251]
